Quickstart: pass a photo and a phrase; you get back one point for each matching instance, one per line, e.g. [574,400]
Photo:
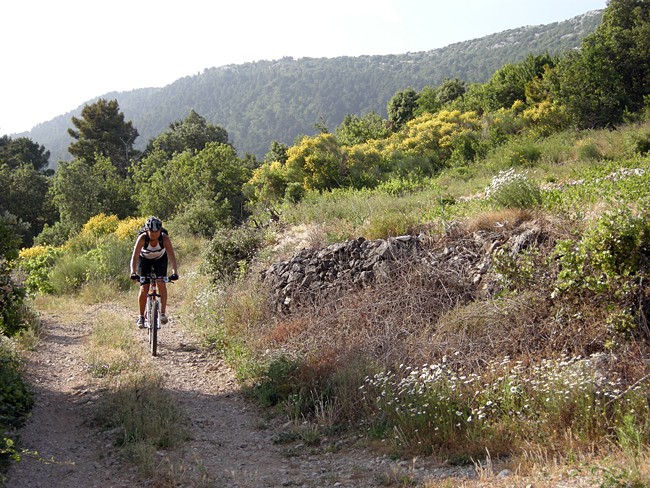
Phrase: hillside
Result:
[280,99]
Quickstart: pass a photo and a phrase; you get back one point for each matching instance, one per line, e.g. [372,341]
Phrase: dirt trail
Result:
[65,448]
[232,443]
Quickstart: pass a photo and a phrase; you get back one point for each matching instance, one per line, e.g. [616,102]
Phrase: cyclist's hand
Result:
[173,276]
[134,276]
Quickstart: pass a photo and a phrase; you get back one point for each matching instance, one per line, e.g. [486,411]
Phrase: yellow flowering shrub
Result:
[127,229]
[33,252]
[101,224]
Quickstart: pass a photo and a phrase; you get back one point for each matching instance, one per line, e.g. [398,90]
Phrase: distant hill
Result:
[278,100]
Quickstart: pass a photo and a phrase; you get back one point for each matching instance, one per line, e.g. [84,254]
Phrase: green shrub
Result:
[71,271]
[230,251]
[588,150]
[36,262]
[640,142]
[524,153]
[276,383]
[609,256]
[15,397]
[201,217]
[12,295]
[513,190]
[390,224]
[110,261]
[399,186]
[53,235]
[294,192]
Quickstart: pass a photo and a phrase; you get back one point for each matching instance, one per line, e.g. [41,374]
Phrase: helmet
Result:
[153,224]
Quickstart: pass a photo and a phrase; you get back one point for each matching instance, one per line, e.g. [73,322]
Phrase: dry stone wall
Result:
[311,274]
[316,274]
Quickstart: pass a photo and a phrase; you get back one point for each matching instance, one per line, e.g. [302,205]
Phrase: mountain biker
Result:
[151,251]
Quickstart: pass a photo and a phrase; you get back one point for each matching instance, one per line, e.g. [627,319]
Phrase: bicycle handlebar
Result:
[147,279]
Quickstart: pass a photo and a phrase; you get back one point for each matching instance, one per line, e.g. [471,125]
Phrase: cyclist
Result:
[151,251]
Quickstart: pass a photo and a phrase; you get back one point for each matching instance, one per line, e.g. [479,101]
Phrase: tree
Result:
[191,134]
[428,101]
[214,175]
[82,190]
[450,90]
[15,152]
[357,130]
[509,83]
[103,132]
[277,152]
[24,193]
[11,229]
[401,108]
[611,73]
[431,100]
[625,30]
[590,87]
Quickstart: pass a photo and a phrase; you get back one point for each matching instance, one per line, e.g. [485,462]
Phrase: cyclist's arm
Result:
[170,251]
[135,257]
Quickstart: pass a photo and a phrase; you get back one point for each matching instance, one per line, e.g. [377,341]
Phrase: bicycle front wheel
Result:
[153,329]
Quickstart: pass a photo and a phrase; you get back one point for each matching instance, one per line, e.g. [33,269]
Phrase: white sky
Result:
[58,54]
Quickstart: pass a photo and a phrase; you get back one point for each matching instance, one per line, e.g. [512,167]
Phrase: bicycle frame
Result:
[152,309]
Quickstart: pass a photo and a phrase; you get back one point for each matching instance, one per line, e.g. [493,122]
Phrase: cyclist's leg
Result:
[160,265]
[142,297]
[144,268]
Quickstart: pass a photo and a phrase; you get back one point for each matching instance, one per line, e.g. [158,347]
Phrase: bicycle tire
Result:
[147,314]
[153,329]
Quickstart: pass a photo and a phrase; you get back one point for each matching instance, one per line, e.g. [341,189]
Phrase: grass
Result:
[135,404]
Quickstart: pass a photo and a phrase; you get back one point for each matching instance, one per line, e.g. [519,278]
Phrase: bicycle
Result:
[152,308]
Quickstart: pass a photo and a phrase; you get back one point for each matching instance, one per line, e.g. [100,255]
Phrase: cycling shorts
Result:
[158,265]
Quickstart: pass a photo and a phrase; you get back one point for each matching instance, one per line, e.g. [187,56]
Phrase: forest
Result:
[281,99]
[557,141]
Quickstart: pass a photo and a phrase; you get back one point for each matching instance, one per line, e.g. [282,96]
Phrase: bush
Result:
[12,295]
[201,218]
[610,256]
[294,192]
[111,261]
[588,150]
[71,272]
[37,262]
[524,153]
[16,400]
[15,397]
[127,229]
[54,235]
[640,142]
[513,190]
[231,250]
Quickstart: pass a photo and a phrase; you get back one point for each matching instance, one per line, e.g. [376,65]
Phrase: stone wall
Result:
[312,275]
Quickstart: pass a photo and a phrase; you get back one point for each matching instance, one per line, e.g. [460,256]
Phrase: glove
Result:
[134,276]
[173,276]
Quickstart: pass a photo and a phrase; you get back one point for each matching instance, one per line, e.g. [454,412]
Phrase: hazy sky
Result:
[58,54]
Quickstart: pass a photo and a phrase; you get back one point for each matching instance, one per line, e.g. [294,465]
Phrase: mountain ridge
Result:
[261,101]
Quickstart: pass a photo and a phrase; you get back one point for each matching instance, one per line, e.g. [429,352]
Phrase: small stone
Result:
[504,474]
